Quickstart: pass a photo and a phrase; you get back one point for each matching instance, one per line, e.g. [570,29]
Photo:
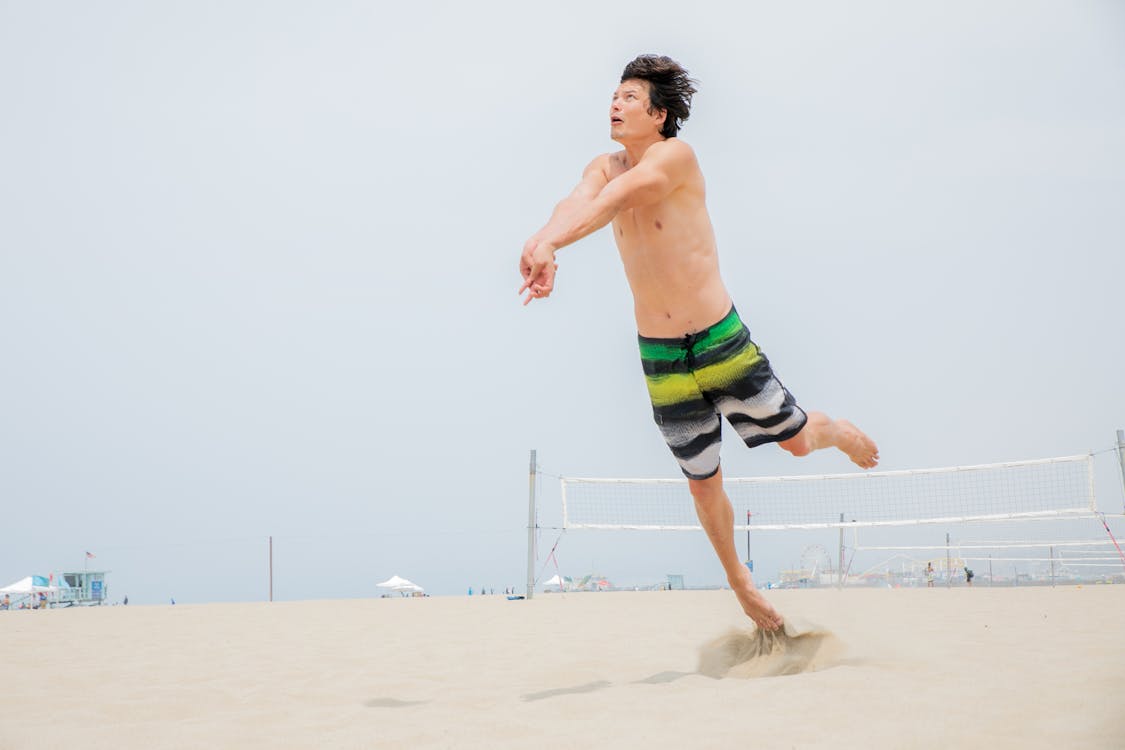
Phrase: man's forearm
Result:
[564,211]
[575,218]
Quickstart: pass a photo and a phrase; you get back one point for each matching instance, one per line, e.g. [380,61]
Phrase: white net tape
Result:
[1046,488]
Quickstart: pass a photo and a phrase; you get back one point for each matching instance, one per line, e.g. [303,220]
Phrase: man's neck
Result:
[634,150]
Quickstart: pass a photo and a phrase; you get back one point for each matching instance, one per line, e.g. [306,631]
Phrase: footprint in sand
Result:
[798,647]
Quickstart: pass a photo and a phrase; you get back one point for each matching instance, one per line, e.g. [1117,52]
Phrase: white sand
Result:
[980,668]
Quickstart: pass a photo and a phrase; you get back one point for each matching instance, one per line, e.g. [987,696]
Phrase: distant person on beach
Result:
[698,359]
[930,574]
[969,576]
[7,603]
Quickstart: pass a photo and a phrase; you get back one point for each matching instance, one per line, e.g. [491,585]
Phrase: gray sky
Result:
[258,269]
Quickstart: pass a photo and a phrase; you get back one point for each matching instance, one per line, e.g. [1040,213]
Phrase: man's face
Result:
[628,112]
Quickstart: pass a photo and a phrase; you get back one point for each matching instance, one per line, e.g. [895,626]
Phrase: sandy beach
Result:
[988,668]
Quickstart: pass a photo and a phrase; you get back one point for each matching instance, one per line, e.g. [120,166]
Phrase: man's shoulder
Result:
[609,164]
[672,153]
[672,147]
[605,162]
[612,158]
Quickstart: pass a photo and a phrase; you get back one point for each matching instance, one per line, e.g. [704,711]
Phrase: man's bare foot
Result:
[852,441]
[755,606]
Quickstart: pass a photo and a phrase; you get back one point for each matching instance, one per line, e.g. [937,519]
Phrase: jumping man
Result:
[698,359]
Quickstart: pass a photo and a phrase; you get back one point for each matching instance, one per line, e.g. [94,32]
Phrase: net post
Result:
[840,564]
[531,473]
[1121,456]
[562,496]
[948,563]
[749,560]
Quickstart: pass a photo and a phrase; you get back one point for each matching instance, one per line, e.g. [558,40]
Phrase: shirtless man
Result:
[698,359]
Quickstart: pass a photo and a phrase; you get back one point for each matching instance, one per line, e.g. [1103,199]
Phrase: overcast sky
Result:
[258,269]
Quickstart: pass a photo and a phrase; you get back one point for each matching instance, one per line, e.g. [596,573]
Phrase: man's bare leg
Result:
[717,517]
[823,432]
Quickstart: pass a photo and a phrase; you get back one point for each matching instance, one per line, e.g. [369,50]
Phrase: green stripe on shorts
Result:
[669,350]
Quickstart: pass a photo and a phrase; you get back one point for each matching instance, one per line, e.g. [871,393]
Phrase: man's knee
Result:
[798,445]
[706,490]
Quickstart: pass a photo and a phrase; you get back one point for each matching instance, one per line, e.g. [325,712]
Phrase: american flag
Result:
[89,555]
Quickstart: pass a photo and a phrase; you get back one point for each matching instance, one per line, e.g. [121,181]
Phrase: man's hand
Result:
[537,266]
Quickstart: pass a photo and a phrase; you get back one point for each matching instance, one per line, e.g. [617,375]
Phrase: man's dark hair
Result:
[670,88]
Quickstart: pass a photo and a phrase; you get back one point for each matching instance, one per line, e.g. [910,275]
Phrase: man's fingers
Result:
[538,279]
[537,291]
[532,291]
[530,275]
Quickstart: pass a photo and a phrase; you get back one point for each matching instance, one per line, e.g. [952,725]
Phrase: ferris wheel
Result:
[815,559]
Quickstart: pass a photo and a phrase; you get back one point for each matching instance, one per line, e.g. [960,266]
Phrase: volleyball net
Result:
[1017,490]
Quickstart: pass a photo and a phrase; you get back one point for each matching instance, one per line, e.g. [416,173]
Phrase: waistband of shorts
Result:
[652,348]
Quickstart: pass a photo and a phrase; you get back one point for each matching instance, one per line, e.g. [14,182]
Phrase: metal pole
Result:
[748,538]
[531,473]
[948,563]
[271,568]
[1121,454]
[840,568]
[1052,555]
[990,569]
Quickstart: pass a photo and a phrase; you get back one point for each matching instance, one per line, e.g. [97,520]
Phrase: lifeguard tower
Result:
[82,588]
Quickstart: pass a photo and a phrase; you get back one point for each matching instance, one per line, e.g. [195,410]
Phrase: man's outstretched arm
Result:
[593,181]
[660,171]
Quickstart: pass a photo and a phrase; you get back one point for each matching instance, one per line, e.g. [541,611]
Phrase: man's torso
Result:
[670,258]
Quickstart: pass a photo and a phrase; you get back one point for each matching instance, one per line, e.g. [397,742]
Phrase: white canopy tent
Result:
[30,585]
[396,583]
[554,581]
[33,587]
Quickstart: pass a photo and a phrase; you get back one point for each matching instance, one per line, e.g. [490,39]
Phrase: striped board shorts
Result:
[717,371]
